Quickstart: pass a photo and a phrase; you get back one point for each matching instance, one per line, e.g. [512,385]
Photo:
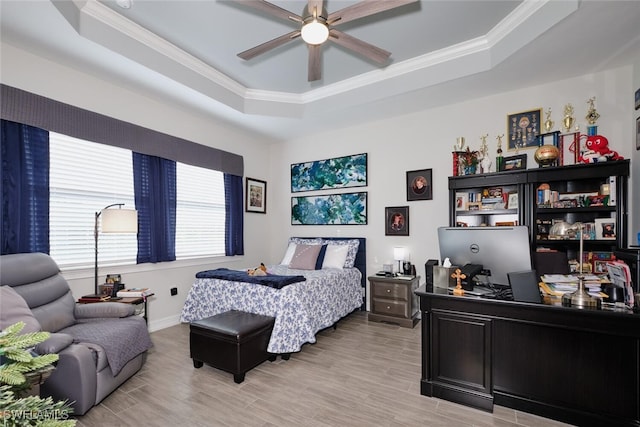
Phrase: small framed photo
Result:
[113,278]
[598,200]
[474,206]
[512,202]
[600,267]
[637,99]
[523,129]
[396,221]
[256,194]
[606,228]
[461,201]
[419,183]
[513,163]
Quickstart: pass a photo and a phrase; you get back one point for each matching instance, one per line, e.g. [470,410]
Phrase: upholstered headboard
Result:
[360,263]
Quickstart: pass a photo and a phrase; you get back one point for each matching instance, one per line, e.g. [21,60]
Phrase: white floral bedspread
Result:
[301,309]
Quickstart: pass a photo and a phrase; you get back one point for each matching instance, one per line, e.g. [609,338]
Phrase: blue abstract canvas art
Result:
[334,209]
[339,172]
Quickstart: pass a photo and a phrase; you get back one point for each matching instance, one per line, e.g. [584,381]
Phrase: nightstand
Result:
[393,300]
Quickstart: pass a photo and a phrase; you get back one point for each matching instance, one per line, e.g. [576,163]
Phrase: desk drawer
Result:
[391,307]
[391,290]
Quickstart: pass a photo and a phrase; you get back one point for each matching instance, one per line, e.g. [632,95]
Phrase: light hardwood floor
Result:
[361,374]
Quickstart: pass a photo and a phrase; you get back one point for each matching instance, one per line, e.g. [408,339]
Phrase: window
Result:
[86,176]
[200,213]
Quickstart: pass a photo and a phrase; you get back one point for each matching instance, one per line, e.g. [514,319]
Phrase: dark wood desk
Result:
[573,365]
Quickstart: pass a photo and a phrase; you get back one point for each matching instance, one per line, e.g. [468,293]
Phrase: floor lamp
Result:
[113,221]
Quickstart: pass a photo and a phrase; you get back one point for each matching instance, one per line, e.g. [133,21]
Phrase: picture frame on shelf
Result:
[512,201]
[637,98]
[523,129]
[396,221]
[462,199]
[606,228]
[256,195]
[419,185]
[600,267]
[512,163]
[474,206]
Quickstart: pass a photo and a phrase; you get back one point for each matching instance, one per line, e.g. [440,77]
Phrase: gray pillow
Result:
[14,309]
[305,256]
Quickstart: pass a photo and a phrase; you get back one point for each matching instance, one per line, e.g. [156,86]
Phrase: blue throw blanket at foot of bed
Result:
[271,280]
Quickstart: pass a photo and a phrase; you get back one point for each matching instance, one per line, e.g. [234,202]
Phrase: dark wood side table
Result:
[393,300]
[129,300]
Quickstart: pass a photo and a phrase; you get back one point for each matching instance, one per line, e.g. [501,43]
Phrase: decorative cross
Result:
[458,275]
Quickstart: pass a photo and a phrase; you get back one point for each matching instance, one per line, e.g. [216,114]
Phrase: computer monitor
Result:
[500,250]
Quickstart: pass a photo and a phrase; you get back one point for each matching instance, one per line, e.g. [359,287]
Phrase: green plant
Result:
[469,158]
[19,371]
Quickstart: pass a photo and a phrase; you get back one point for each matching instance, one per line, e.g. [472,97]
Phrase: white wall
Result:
[425,140]
[416,141]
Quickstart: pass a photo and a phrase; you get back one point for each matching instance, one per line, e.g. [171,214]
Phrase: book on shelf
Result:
[135,292]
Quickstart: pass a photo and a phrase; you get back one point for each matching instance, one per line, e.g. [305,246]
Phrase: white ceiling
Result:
[442,52]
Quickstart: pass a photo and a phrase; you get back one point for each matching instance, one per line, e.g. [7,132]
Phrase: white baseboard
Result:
[167,322]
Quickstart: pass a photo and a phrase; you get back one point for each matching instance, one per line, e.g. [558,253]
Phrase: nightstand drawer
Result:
[391,290]
[391,308]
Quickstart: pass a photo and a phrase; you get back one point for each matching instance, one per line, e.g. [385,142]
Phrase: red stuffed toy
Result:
[598,151]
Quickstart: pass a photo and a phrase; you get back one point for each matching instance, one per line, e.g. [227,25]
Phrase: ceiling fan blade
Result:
[364,8]
[315,4]
[363,48]
[315,68]
[271,9]
[271,44]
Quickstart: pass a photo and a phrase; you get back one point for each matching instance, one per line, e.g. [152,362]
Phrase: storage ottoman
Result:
[233,341]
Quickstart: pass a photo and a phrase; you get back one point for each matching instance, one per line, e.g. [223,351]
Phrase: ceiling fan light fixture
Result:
[315,32]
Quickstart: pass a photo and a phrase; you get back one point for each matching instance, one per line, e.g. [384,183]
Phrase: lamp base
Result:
[581,298]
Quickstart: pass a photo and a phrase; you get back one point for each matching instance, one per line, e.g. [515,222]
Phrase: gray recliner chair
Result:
[99,345]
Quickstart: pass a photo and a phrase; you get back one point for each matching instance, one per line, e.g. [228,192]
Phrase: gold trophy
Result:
[592,114]
[592,117]
[548,123]
[568,119]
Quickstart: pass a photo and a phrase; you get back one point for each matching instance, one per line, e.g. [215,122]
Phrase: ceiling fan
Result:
[316,27]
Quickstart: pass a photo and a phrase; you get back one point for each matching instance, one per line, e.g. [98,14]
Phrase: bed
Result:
[301,309]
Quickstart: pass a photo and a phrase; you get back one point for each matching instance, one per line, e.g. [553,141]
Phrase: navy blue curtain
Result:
[24,156]
[154,180]
[234,220]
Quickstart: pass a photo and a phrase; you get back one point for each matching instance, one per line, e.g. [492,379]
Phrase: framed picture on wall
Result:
[523,129]
[396,221]
[419,184]
[256,194]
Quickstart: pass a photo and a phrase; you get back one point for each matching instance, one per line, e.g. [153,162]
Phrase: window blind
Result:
[200,212]
[84,178]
